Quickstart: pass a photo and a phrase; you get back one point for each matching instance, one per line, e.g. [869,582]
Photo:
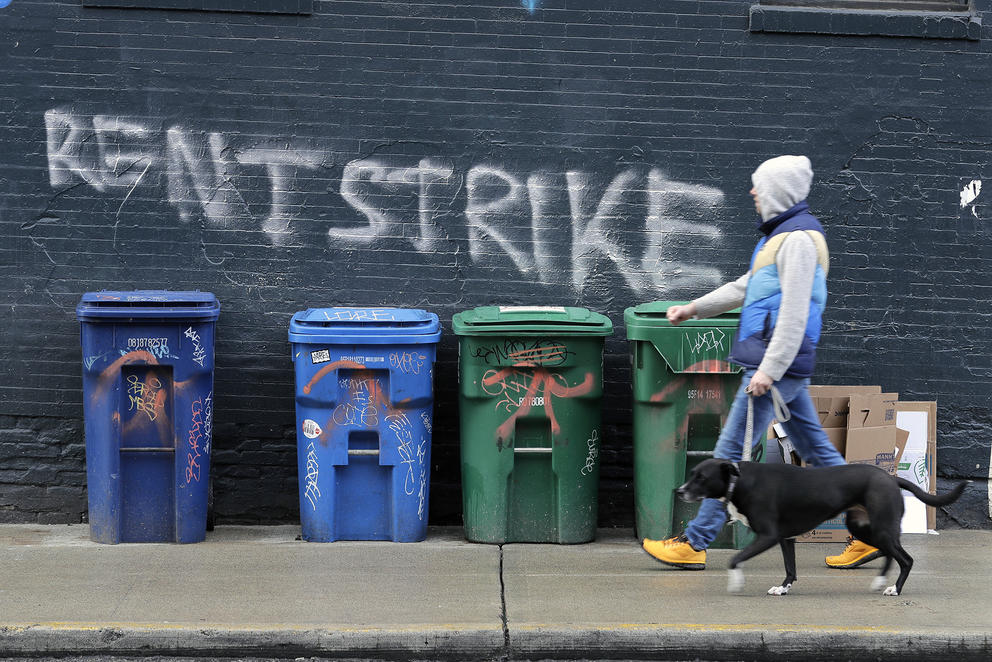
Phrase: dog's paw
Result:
[735,580]
[878,583]
[892,590]
[780,590]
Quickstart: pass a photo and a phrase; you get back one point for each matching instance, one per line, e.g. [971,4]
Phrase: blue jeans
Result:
[803,429]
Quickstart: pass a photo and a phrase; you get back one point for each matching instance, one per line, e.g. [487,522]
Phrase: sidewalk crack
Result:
[502,606]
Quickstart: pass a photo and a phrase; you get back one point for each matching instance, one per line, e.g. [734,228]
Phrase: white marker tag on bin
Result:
[310,429]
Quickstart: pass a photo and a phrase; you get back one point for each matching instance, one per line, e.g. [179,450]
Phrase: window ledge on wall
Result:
[303,7]
[866,22]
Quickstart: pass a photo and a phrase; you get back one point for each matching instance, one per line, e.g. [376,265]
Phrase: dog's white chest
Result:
[736,514]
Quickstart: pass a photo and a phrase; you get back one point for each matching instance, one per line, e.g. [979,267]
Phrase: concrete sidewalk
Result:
[257,591]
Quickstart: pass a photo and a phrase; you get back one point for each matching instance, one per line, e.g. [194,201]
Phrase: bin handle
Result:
[363,451]
[531,450]
[147,449]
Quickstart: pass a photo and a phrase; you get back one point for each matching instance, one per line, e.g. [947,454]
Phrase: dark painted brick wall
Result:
[450,155]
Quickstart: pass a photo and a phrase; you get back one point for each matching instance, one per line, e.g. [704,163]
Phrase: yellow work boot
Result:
[676,552]
[857,553]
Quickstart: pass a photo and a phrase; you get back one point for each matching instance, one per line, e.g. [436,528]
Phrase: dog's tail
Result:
[934,499]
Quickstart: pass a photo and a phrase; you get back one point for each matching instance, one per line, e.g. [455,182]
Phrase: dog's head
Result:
[710,479]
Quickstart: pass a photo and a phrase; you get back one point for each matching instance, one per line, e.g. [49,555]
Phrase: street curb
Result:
[632,642]
[746,642]
[227,641]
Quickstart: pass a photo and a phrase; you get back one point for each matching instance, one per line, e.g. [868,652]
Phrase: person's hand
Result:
[759,385]
[678,314]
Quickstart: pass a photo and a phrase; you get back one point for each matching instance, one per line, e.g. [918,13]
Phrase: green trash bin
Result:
[683,389]
[530,388]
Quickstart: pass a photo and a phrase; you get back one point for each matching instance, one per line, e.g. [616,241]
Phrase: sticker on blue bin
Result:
[320,356]
[311,429]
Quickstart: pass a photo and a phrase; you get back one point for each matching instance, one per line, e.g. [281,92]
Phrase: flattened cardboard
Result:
[928,406]
[869,411]
[832,402]
[919,461]
[838,437]
[830,391]
[832,412]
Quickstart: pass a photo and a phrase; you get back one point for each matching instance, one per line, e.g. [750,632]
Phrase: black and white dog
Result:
[781,501]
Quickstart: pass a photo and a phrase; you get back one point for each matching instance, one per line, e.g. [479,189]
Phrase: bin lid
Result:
[694,346]
[373,326]
[530,320]
[651,316]
[147,305]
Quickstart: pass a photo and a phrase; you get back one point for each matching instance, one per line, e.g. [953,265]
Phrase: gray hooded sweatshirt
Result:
[780,184]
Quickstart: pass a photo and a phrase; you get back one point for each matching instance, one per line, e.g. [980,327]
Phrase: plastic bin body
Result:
[683,388]
[364,412]
[148,359]
[530,390]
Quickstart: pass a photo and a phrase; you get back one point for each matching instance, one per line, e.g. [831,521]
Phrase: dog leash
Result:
[781,411]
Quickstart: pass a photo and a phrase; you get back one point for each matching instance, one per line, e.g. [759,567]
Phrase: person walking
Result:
[782,298]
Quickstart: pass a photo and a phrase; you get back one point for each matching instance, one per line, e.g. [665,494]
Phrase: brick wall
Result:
[451,155]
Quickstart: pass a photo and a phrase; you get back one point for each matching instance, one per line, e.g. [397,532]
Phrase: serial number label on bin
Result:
[320,356]
[534,402]
[364,360]
[146,343]
[704,394]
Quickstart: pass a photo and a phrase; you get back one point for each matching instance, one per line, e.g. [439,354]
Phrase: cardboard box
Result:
[833,530]
[860,422]
[872,437]
[868,411]
[832,402]
[881,447]
[918,464]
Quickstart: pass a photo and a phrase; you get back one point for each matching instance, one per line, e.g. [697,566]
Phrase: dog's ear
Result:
[731,469]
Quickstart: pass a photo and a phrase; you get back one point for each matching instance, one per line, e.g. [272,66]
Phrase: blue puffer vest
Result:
[764,293]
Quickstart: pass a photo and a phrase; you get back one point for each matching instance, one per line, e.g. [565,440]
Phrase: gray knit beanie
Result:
[781,183]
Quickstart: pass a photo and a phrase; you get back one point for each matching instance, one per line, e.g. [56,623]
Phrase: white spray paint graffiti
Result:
[199,353]
[361,409]
[282,167]
[409,363]
[369,181]
[422,492]
[593,457]
[556,228]
[969,193]
[311,491]
[189,176]
[706,341]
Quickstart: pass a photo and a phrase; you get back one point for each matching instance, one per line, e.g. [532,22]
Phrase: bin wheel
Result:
[210,505]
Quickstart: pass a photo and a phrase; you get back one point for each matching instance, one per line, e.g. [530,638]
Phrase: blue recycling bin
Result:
[364,408]
[148,360]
